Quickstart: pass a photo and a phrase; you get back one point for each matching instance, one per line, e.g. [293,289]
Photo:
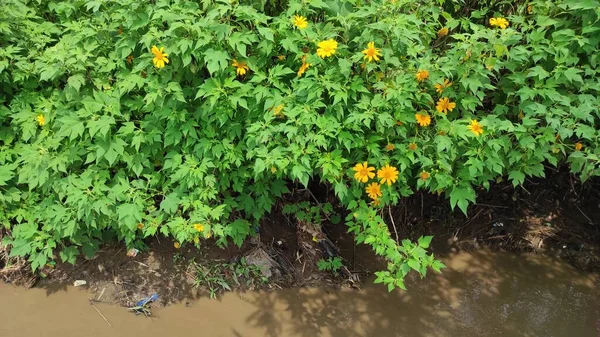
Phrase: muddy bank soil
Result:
[555,216]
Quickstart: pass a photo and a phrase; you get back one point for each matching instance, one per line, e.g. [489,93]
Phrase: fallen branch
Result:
[99,313]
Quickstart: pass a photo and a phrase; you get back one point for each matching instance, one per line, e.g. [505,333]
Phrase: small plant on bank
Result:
[332,264]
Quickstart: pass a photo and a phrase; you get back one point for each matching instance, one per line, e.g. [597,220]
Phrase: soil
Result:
[542,216]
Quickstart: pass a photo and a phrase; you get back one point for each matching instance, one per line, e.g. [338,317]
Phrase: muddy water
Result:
[480,294]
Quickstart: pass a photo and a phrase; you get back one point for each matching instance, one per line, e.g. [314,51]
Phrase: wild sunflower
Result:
[363,172]
[304,66]
[371,53]
[422,75]
[160,57]
[300,22]
[499,22]
[374,191]
[443,32]
[423,119]
[439,87]
[326,48]
[388,174]
[475,127]
[241,68]
[444,105]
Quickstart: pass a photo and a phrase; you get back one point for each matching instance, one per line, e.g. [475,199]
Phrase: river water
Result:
[481,293]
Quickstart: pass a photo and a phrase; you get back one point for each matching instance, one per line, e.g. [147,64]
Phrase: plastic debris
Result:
[79,283]
[141,306]
[132,252]
[151,298]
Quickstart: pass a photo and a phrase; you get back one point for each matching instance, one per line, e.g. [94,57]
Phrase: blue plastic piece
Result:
[147,300]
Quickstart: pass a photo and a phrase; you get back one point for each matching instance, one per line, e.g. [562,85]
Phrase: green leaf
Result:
[216,60]
[414,264]
[517,177]
[20,247]
[424,241]
[69,254]
[572,74]
[538,72]
[461,196]
[76,81]
[437,266]
[170,203]
[130,215]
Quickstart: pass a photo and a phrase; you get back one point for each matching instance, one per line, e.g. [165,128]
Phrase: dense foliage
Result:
[192,118]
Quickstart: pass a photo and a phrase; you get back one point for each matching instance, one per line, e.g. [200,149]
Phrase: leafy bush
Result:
[103,135]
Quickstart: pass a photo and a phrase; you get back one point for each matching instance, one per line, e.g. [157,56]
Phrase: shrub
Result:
[102,134]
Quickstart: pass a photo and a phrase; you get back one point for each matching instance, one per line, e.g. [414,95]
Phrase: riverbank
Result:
[542,218]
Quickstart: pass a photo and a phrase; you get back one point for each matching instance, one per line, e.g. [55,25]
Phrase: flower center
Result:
[159,56]
[364,172]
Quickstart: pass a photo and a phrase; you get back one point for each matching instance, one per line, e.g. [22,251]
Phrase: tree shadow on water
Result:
[480,293]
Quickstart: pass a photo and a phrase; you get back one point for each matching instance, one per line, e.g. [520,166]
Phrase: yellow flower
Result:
[499,22]
[300,22]
[177,245]
[439,87]
[363,172]
[475,127]
[529,9]
[281,57]
[273,169]
[444,105]
[208,235]
[129,59]
[240,67]
[196,240]
[443,32]
[423,119]
[412,146]
[374,191]
[140,225]
[390,147]
[304,66]
[371,53]
[578,146]
[41,120]
[326,48]
[199,227]
[376,202]
[388,174]
[160,57]
[422,75]
[424,175]
[277,111]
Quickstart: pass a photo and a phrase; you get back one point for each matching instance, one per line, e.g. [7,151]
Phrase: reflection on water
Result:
[479,294]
